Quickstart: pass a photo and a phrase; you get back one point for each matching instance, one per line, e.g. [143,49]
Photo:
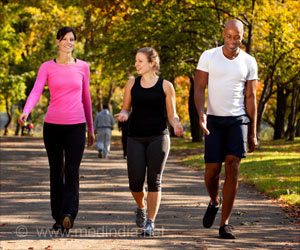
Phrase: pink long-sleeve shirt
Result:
[70,101]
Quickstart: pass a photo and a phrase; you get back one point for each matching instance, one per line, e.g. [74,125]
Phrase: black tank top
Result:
[148,116]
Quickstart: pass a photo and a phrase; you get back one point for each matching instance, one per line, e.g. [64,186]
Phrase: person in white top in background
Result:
[230,74]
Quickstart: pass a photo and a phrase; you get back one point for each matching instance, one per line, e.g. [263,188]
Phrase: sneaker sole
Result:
[147,234]
[227,237]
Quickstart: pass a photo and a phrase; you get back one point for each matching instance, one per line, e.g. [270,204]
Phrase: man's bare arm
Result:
[251,110]
[200,83]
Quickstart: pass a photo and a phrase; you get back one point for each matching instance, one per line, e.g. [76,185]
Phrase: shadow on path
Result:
[106,213]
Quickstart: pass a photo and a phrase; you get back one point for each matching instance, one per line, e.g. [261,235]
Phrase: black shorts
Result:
[228,136]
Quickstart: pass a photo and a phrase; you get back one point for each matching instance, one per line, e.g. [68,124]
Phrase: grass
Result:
[179,143]
[273,169]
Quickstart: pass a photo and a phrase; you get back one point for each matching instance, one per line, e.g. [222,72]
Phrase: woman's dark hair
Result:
[63,31]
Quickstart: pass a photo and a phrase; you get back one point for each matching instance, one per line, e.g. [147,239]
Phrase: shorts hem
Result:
[213,161]
[238,155]
[223,159]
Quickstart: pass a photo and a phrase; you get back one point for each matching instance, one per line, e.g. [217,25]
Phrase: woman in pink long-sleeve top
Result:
[64,126]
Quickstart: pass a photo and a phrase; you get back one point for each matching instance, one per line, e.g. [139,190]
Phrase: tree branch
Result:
[267,120]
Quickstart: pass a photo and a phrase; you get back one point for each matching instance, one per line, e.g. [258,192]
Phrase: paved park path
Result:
[106,217]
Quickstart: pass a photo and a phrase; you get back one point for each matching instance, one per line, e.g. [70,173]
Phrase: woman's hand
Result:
[122,116]
[22,119]
[91,139]
[178,129]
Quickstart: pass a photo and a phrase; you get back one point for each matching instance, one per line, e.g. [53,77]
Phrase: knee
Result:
[232,169]
[136,184]
[232,161]
[154,183]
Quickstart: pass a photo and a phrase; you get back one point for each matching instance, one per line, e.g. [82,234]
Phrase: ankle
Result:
[216,202]
[222,224]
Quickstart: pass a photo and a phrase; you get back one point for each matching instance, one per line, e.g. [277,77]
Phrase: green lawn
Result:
[273,169]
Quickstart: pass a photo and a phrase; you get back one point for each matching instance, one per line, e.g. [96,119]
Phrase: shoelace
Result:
[149,226]
[228,228]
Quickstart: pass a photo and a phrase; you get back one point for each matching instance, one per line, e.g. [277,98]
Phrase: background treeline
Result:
[110,31]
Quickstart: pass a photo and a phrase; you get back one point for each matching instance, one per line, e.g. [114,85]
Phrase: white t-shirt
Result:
[226,81]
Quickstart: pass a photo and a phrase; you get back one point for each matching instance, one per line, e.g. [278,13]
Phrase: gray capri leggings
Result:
[149,153]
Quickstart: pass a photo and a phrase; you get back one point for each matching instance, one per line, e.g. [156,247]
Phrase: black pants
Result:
[124,144]
[147,154]
[124,128]
[64,145]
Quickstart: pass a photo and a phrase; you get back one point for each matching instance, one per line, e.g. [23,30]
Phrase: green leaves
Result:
[110,32]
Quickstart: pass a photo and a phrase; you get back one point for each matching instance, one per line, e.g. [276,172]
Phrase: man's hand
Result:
[91,139]
[252,143]
[203,124]
[178,130]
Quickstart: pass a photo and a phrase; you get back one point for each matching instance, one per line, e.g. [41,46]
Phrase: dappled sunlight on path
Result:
[106,213]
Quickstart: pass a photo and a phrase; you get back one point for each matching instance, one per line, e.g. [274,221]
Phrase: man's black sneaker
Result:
[210,214]
[225,232]
[67,221]
[100,153]
[140,218]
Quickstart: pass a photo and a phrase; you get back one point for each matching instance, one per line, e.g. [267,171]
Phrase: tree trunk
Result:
[99,99]
[298,128]
[9,115]
[250,31]
[265,96]
[17,128]
[196,131]
[295,107]
[112,88]
[280,113]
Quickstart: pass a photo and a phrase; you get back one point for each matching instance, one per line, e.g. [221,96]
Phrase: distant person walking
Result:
[103,125]
[65,125]
[148,145]
[231,77]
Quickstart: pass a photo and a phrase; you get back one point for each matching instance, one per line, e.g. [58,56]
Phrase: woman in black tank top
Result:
[151,101]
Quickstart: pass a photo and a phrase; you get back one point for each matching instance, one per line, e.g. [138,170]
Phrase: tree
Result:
[277,49]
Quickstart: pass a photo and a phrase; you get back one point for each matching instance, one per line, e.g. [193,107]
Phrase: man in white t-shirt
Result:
[230,74]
